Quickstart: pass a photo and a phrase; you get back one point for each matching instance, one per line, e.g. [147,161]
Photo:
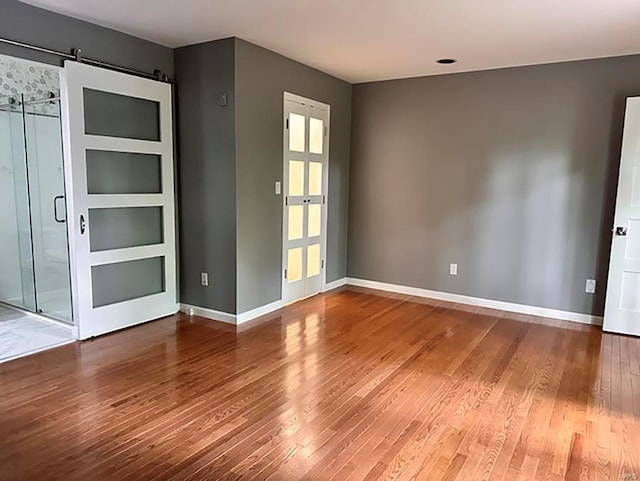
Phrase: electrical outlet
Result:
[204,279]
[590,286]
[453,269]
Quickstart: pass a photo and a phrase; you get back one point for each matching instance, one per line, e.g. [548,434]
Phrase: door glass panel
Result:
[316,135]
[313,260]
[635,189]
[120,227]
[315,178]
[123,173]
[296,223]
[123,281]
[17,281]
[633,240]
[48,216]
[630,292]
[315,220]
[294,264]
[296,132]
[114,115]
[296,177]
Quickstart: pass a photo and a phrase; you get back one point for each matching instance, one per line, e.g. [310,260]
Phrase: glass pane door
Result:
[48,209]
[17,283]
[305,181]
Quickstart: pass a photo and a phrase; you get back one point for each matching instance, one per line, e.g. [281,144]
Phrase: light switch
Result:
[278,188]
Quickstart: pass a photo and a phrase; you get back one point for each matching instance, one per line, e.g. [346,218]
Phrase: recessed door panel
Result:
[121,227]
[111,172]
[297,128]
[296,222]
[124,281]
[313,260]
[125,116]
[296,177]
[314,226]
[315,178]
[635,186]
[294,264]
[316,135]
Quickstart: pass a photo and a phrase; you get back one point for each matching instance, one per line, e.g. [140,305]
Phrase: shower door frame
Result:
[38,294]
[36,311]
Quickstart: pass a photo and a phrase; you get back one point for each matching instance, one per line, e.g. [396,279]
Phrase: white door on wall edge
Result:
[118,143]
[305,180]
[622,309]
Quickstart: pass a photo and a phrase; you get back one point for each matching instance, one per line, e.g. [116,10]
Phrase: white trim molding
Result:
[236,319]
[259,311]
[335,284]
[208,313]
[479,302]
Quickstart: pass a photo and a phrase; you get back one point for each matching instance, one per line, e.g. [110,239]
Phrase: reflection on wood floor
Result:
[345,385]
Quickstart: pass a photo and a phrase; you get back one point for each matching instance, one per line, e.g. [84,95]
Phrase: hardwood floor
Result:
[345,386]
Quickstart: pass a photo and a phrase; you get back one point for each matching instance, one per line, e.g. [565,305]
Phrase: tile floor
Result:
[21,334]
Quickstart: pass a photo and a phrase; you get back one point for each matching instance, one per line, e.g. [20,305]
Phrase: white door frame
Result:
[303,104]
[92,321]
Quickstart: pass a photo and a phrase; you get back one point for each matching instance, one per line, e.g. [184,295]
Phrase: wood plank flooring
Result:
[349,385]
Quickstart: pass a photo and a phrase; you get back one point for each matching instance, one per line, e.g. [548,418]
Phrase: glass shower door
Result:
[48,213]
[17,279]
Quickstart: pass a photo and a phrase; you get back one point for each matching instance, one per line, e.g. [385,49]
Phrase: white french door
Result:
[306,154]
[622,310]
[120,192]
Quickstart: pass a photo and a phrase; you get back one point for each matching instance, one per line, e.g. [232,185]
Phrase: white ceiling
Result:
[364,40]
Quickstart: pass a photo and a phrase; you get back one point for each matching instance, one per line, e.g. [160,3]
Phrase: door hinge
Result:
[285,273]
[287,127]
[326,129]
[322,264]
[286,200]
[324,200]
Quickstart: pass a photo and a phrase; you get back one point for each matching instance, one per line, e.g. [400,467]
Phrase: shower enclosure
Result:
[34,252]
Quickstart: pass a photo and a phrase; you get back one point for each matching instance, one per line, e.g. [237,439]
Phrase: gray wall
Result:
[262,77]
[207,174]
[510,173]
[25,23]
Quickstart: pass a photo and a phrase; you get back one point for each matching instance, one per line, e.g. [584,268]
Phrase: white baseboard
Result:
[476,301]
[335,284]
[209,313]
[231,318]
[258,311]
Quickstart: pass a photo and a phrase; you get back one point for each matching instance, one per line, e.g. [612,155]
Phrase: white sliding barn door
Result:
[306,154]
[622,310]
[119,156]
